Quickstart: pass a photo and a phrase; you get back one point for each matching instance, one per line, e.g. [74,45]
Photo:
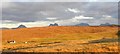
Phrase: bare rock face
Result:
[55,24]
[22,26]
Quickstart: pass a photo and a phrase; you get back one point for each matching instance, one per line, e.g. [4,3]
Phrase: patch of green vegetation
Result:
[42,40]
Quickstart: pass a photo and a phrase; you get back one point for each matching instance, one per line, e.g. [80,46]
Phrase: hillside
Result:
[71,36]
[40,32]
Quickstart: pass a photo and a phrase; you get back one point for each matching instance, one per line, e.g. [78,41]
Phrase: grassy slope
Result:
[65,34]
[62,32]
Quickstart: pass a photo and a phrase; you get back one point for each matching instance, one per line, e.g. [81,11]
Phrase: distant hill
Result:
[55,24]
[82,24]
[4,28]
[106,24]
[42,32]
[21,26]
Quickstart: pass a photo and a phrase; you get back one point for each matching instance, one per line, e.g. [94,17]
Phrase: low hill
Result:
[4,28]
[58,31]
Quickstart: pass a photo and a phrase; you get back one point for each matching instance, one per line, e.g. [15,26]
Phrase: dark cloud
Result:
[39,11]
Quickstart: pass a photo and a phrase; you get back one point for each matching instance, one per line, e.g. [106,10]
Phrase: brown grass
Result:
[62,38]
[42,32]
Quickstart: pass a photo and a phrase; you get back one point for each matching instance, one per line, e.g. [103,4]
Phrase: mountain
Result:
[106,24]
[82,24]
[4,28]
[51,25]
[21,26]
[55,24]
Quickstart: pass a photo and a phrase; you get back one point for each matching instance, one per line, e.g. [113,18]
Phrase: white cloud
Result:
[42,12]
[91,21]
[73,21]
[6,4]
[73,10]
[82,17]
[7,21]
[66,22]
[107,16]
[51,18]
[8,25]
[36,24]
[27,24]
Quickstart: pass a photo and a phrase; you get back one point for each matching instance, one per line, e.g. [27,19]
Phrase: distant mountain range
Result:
[106,24]
[56,24]
[20,26]
[82,24]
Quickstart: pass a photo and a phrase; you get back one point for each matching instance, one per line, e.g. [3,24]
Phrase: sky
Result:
[39,13]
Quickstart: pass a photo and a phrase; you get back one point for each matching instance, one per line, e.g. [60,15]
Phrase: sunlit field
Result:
[61,39]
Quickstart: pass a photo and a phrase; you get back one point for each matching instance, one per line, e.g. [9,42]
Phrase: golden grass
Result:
[49,32]
[59,38]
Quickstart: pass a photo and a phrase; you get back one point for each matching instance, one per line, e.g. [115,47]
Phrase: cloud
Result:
[7,21]
[51,18]
[64,13]
[36,24]
[73,10]
[82,17]
[40,11]
[4,4]
[28,24]
[106,16]
[8,25]
[72,21]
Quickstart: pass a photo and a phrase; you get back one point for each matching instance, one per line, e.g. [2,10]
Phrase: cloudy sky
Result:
[37,14]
